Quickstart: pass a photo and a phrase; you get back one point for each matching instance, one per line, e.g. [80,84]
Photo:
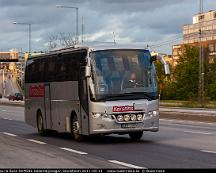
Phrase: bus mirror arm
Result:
[91,86]
[166,65]
[87,71]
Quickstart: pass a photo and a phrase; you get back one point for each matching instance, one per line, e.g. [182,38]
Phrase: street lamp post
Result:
[29,30]
[201,60]
[77,19]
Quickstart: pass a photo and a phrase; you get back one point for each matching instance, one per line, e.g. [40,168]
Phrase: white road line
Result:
[3,110]
[208,151]
[186,121]
[127,164]
[74,151]
[36,141]
[198,132]
[187,125]
[9,134]
[7,119]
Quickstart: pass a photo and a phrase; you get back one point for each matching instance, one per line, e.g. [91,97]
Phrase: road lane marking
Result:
[9,134]
[186,121]
[198,132]
[36,141]
[208,151]
[74,151]
[7,119]
[187,126]
[3,110]
[126,164]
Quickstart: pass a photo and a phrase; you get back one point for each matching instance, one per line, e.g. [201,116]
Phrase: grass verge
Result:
[189,104]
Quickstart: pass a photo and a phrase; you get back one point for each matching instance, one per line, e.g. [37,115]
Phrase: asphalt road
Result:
[178,144]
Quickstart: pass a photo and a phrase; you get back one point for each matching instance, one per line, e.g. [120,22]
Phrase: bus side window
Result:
[50,69]
[72,68]
[41,66]
[33,73]
[60,70]
[27,73]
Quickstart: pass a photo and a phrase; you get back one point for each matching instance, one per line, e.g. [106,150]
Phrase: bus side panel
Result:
[64,100]
[32,105]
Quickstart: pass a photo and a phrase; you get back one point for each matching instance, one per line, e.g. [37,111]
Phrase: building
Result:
[201,32]
[9,56]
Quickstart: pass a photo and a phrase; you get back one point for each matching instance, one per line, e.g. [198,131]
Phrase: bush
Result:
[211,91]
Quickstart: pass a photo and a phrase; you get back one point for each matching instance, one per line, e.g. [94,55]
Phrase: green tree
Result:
[165,86]
[184,83]
[210,80]
[186,74]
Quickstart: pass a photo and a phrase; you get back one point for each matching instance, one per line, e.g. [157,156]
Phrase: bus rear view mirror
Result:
[87,71]
[167,69]
[163,61]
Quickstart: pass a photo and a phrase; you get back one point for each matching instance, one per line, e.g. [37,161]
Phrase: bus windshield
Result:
[123,74]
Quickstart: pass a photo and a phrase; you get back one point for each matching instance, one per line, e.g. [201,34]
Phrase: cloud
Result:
[146,21]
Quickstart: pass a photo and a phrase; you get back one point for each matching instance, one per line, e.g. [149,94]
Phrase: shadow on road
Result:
[93,139]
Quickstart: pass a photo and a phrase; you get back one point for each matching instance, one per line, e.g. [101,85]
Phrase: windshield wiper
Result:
[141,94]
[127,96]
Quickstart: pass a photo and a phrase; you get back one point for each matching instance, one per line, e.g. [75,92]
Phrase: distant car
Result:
[16,96]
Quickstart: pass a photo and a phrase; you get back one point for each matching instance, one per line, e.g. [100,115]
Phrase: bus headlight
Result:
[150,114]
[139,117]
[126,117]
[102,115]
[120,118]
[133,117]
[155,113]
[96,115]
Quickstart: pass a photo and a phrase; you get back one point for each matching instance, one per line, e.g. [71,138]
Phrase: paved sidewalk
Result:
[5,101]
[192,114]
[194,111]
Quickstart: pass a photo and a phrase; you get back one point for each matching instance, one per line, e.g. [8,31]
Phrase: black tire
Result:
[136,136]
[75,129]
[40,124]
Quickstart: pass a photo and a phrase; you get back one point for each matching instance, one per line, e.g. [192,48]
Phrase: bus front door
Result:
[48,107]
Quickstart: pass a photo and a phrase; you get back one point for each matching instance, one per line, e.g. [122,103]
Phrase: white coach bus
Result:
[85,91]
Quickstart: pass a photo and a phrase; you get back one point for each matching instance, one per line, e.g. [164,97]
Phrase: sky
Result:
[156,24]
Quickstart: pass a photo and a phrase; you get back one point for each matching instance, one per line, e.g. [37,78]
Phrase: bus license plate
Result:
[128,125]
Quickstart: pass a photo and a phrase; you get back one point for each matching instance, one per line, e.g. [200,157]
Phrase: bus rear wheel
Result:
[40,124]
[136,136]
[75,129]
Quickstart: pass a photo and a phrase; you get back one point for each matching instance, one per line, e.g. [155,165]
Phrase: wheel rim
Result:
[40,124]
[76,127]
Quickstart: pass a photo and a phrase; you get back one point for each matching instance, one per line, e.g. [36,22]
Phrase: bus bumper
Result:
[103,125]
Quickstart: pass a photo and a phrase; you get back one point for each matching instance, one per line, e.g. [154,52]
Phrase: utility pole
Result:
[201,59]
[82,30]
[77,19]
[114,41]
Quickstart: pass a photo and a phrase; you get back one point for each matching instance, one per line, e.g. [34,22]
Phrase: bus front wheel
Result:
[75,129]
[136,136]
[40,124]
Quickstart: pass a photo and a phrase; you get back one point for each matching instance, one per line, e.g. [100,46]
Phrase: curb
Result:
[187,116]
[12,104]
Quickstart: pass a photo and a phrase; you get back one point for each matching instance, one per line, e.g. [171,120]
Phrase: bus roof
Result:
[95,47]
[92,47]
